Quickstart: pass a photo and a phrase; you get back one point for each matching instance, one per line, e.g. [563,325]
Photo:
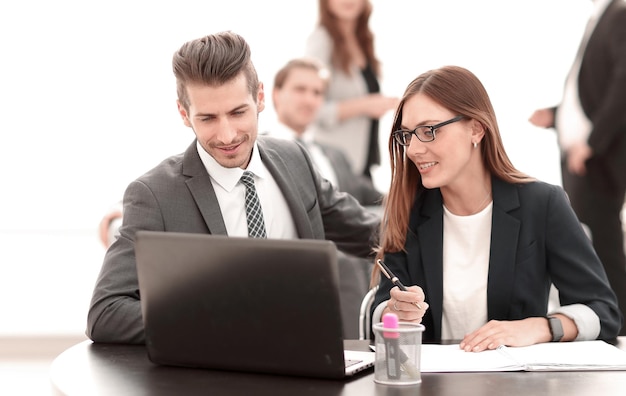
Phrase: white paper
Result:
[553,356]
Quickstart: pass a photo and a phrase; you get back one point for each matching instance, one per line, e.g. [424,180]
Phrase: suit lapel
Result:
[505,230]
[201,189]
[503,250]
[430,237]
[289,187]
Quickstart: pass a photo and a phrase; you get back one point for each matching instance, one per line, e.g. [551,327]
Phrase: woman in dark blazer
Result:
[479,241]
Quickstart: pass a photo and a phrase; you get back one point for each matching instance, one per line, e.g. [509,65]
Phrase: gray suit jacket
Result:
[178,196]
[536,240]
[357,185]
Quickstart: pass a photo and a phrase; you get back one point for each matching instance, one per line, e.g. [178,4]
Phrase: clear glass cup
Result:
[398,352]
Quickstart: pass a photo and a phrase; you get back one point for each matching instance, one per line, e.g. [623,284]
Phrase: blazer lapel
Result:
[201,189]
[504,236]
[430,242]
[288,185]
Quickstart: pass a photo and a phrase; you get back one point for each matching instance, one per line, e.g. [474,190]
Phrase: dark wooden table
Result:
[105,369]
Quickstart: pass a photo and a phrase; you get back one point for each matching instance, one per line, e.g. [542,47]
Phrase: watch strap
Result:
[556,328]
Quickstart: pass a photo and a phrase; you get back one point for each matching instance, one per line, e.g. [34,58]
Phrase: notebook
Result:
[243,304]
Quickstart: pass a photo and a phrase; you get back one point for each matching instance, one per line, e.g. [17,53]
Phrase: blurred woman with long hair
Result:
[349,119]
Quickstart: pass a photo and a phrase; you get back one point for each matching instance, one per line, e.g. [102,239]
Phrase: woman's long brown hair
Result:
[365,37]
[460,91]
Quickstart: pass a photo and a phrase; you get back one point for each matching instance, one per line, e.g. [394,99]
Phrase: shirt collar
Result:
[227,178]
[283,131]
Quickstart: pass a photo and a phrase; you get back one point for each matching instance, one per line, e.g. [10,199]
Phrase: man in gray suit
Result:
[199,191]
[297,96]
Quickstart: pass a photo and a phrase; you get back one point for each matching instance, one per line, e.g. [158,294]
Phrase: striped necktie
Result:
[254,214]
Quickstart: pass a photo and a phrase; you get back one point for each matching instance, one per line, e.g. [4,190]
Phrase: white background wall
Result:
[87,103]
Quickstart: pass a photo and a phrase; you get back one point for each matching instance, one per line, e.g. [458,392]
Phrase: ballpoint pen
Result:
[394,279]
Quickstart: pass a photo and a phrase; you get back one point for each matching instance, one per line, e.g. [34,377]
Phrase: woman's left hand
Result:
[523,332]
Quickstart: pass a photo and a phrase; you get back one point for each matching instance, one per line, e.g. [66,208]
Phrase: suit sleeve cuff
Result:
[587,322]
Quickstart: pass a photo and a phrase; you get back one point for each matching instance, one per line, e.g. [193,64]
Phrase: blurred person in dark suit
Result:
[591,126]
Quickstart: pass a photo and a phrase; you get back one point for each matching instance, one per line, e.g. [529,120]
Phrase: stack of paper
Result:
[552,356]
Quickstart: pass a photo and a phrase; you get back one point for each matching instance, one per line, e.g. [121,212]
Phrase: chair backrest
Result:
[365,317]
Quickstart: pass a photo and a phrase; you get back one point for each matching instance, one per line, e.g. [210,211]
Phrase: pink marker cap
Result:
[391,321]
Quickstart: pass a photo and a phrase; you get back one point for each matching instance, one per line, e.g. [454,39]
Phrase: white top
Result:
[466,246]
[466,243]
[350,135]
[230,194]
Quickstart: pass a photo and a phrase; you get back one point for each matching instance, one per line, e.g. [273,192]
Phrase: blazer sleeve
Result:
[353,228]
[115,310]
[575,269]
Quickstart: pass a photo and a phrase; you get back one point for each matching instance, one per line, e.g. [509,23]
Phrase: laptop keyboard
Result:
[352,362]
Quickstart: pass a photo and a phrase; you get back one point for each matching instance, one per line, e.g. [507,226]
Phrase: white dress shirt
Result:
[230,194]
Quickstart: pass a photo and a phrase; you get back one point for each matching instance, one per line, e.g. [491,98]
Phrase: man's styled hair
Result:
[213,60]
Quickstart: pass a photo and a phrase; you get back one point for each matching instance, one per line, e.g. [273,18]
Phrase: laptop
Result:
[243,304]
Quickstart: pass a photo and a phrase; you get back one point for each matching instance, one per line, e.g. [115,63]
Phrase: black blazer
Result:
[602,81]
[536,240]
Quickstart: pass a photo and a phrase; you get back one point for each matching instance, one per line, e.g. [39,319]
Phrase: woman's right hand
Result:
[408,305]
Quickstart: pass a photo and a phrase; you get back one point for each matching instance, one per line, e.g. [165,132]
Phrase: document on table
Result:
[551,356]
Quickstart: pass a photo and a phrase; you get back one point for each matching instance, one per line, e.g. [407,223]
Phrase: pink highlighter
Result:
[396,358]
[392,345]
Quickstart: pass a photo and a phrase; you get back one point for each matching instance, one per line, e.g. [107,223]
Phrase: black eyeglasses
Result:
[425,133]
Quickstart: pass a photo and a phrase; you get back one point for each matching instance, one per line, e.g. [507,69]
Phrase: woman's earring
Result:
[475,144]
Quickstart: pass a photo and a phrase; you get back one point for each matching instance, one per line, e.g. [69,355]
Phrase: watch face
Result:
[555,328]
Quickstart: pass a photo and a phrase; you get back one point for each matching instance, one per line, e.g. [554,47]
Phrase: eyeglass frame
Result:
[400,132]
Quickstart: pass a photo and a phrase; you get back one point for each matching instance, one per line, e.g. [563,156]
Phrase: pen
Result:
[394,279]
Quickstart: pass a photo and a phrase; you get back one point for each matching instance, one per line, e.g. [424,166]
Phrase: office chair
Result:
[365,317]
